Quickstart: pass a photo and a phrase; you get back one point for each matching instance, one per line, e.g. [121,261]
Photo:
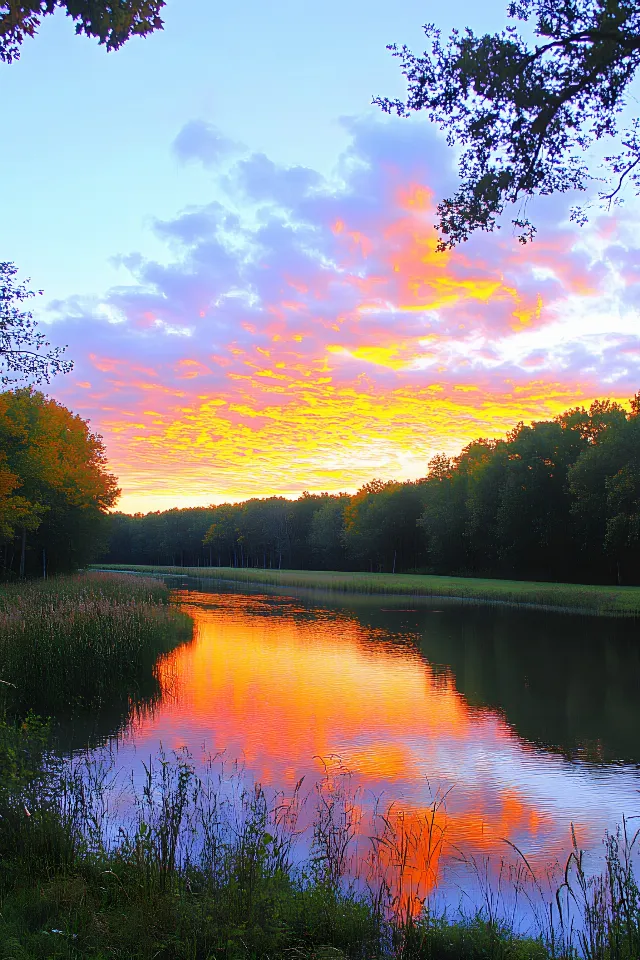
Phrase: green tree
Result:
[486,472]
[111,22]
[455,520]
[534,535]
[326,531]
[380,530]
[559,499]
[524,111]
[222,534]
[364,535]
[605,492]
[622,534]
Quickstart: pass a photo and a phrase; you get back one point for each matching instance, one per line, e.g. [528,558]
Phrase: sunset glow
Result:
[314,338]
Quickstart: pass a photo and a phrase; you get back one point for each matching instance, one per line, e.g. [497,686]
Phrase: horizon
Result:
[318,493]
[252,298]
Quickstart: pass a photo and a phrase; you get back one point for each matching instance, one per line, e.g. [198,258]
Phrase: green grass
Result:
[66,894]
[606,601]
[74,641]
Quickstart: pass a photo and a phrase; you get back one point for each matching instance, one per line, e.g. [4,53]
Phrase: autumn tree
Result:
[111,22]
[523,112]
[16,512]
[57,489]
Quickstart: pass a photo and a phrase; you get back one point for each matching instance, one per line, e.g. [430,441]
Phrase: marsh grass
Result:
[609,903]
[204,866]
[77,641]
[569,597]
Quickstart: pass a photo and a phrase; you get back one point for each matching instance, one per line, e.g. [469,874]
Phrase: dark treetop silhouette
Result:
[524,112]
[111,22]
[557,500]
[25,353]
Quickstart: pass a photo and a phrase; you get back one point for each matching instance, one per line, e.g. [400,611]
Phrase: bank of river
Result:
[312,763]
[594,599]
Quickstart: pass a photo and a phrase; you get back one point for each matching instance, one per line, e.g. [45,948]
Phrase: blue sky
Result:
[284,307]
[87,159]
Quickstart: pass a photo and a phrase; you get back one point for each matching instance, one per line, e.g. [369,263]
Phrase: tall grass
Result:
[206,867]
[570,597]
[72,641]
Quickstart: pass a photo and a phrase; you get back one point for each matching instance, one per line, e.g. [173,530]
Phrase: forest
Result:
[558,500]
[55,489]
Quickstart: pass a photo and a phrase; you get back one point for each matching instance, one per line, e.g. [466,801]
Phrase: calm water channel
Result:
[529,722]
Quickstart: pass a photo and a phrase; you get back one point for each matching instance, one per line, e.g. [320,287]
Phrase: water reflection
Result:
[568,683]
[490,707]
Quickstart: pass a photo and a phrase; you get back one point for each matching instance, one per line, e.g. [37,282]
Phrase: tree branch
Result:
[609,197]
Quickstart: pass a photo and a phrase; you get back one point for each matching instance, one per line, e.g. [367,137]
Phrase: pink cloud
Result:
[324,325]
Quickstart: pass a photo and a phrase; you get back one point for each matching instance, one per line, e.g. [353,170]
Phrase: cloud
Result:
[305,334]
[198,140]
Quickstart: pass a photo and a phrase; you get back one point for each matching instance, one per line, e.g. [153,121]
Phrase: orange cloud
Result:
[328,341]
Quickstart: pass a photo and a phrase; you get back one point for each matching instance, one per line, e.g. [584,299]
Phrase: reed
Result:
[196,865]
[205,866]
[70,642]
[591,599]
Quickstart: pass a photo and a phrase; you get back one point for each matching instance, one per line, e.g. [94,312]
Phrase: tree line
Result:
[557,500]
[55,489]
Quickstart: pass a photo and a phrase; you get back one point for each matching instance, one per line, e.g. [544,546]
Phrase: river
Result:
[500,728]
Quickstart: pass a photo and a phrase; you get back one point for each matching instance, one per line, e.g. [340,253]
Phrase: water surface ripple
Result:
[528,722]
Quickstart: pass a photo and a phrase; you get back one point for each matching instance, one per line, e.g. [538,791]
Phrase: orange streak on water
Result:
[280,690]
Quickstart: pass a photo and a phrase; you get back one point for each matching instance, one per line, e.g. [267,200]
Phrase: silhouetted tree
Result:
[25,353]
[524,111]
[559,500]
[111,22]
[326,534]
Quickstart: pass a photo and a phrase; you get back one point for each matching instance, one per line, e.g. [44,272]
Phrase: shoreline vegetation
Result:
[205,867]
[195,868]
[590,599]
[78,642]
[556,501]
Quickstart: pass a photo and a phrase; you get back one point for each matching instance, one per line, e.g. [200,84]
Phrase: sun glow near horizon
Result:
[318,339]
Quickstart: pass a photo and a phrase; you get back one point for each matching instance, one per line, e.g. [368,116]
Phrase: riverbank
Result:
[187,865]
[76,642]
[201,872]
[604,601]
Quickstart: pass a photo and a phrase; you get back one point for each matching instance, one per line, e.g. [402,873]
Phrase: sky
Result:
[239,251]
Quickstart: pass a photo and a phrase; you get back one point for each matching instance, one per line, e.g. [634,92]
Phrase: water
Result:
[517,724]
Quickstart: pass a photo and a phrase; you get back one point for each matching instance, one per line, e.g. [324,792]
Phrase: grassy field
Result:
[571,597]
